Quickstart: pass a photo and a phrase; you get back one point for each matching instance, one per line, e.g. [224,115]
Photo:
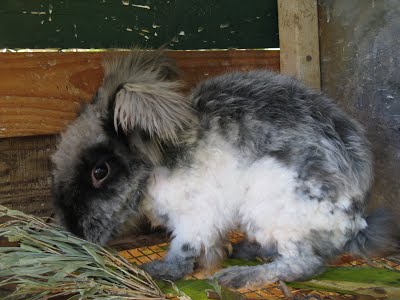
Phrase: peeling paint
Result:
[141,6]
[76,33]
[50,12]
[113,21]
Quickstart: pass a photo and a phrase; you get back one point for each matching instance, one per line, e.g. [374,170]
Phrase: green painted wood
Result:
[181,24]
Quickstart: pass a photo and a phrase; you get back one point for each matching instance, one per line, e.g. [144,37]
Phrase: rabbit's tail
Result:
[380,237]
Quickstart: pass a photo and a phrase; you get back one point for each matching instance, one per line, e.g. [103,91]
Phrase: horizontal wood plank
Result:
[40,93]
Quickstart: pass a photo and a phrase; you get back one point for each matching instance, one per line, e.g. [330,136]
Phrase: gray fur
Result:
[246,249]
[300,267]
[176,265]
[379,238]
[102,214]
[268,114]
[139,122]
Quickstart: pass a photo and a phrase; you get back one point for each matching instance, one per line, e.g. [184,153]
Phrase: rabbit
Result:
[253,151]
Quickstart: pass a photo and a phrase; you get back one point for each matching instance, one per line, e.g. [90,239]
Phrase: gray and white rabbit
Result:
[254,151]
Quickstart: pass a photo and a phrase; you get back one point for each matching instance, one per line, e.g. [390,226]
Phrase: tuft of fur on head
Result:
[145,91]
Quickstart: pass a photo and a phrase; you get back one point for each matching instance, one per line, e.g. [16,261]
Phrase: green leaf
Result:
[195,289]
[96,257]
[11,212]
[76,297]
[30,248]
[67,270]
[14,238]
[240,262]
[9,249]
[360,281]
[354,288]
[227,294]
[91,291]
[362,274]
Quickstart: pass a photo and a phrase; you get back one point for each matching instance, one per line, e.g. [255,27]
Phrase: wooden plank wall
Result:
[41,92]
[24,173]
[360,67]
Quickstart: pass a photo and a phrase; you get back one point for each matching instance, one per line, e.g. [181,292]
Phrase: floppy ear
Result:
[158,108]
[142,89]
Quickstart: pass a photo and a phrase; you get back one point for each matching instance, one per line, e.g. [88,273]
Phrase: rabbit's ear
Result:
[158,108]
[141,91]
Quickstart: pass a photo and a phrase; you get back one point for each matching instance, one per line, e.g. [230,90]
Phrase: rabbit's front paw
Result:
[170,270]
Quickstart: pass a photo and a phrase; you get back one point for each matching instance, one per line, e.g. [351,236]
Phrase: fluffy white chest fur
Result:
[221,190]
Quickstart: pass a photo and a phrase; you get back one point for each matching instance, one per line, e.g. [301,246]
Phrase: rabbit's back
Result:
[265,114]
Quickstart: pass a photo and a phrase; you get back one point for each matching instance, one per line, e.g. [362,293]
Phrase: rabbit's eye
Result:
[99,173]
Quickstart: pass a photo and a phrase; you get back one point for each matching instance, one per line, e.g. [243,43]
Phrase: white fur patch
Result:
[221,191]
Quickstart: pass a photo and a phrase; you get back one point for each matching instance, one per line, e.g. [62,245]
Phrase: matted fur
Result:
[255,151]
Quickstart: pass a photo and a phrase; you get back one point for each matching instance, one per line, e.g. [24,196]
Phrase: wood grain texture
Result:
[298,40]
[41,92]
[361,70]
[25,174]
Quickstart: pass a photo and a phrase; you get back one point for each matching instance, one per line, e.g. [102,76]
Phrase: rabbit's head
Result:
[105,156]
